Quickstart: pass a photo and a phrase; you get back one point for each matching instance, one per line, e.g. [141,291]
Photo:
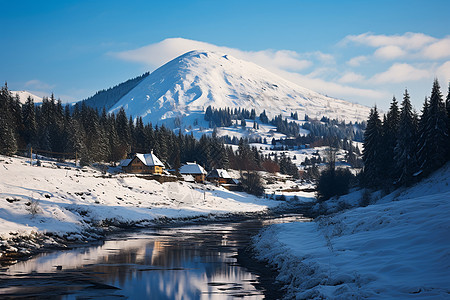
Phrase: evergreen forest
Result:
[94,135]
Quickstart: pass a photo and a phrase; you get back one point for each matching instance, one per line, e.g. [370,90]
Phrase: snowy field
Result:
[75,203]
[396,248]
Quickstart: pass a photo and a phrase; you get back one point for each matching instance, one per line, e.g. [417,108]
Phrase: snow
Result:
[219,173]
[397,248]
[73,201]
[125,162]
[149,159]
[23,96]
[184,87]
[192,168]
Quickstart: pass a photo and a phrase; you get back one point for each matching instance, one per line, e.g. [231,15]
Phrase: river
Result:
[209,261]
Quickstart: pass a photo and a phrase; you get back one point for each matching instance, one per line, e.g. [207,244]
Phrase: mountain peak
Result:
[23,96]
[197,79]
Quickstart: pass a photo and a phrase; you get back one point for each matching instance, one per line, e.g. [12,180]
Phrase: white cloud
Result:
[401,72]
[409,40]
[159,53]
[443,72]
[323,57]
[283,59]
[357,61]
[410,45]
[334,89]
[40,85]
[350,77]
[390,52]
[438,50]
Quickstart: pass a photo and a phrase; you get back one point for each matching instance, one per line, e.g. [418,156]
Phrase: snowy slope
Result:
[73,202]
[23,95]
[187,85]
[397,248]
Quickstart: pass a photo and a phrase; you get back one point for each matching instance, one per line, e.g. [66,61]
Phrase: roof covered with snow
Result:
[125,162]
[192,168]
[148,159]
[219,173]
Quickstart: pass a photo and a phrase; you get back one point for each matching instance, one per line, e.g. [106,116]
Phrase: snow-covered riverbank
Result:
[41,205]
[397,248]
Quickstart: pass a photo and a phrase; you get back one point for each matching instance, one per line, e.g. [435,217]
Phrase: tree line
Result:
[404,147]
[223,117]
[98,136]
[107,98]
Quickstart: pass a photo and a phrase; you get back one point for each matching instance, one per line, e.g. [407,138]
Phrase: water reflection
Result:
[193,262]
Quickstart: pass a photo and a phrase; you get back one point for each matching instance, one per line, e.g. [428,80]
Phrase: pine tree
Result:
[139,136]
[16,120]
[243,123]
[204,152]
[422,138]
[447,106]
[124,133]
[8,143]
[390,130]
[29,122]
[405,149]
[373,149]
[163,144]
[114,143]
[76,137]
[225,159]
[434,136]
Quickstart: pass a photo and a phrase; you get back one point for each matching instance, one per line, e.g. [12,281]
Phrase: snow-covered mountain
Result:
[23,96]
[190,83]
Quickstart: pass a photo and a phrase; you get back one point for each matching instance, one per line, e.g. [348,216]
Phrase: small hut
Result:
[194,169]
[220,176]
[142,164]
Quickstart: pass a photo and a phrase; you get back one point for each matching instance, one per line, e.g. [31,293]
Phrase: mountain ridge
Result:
[198,79]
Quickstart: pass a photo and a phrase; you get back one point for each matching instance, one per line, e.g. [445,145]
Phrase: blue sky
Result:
[361,51]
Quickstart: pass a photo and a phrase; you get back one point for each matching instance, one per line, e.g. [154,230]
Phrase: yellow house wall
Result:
[137,167]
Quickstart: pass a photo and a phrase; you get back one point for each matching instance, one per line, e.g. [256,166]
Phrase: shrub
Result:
[33,207]
[333,183]
[252,184]
[365,198]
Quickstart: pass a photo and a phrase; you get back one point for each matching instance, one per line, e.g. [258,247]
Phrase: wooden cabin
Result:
[194,169]
[142,164]
[219,176]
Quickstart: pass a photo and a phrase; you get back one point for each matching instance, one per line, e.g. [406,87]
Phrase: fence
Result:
[60,156]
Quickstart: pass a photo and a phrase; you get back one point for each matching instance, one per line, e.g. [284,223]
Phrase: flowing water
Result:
[191,262]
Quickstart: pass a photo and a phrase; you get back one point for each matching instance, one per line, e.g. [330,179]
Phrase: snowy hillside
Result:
[397,248]
[187,85]
[23,95]
[59,199]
